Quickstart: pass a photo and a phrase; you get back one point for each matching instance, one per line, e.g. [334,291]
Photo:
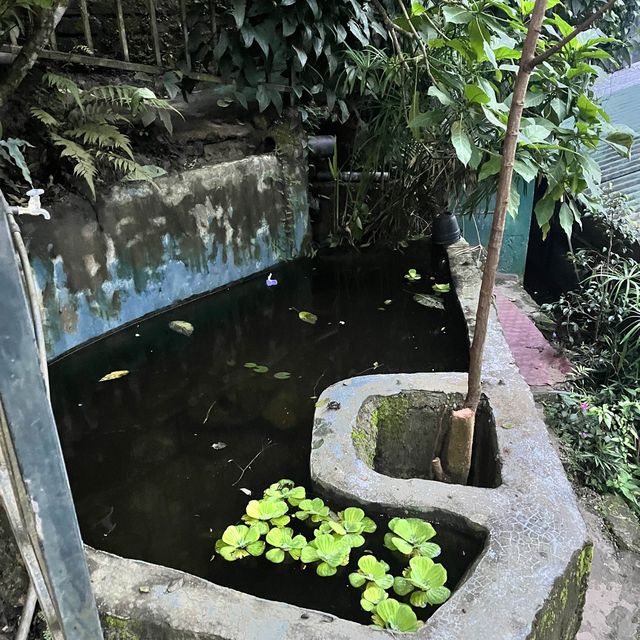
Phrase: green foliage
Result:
[240,541]
[261,513]
[433,114]
[286,490]
[412,275]
[315,510]
[599,421]
[372,596]
[284,541]
[329,552]
[424,580]
[391,614]
[282,49]
[410,536]
[349,526]
[11,154]
[15,14]
[371,572]
[87,124]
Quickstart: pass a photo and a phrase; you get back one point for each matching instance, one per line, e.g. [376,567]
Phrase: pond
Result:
[162,460]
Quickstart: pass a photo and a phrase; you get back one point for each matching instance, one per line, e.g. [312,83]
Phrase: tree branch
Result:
[45,23]
[579,29]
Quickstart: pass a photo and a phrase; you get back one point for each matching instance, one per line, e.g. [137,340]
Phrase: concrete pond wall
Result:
[142,247]
[530,580]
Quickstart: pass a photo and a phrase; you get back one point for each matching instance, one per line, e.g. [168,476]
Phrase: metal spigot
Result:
[34,207]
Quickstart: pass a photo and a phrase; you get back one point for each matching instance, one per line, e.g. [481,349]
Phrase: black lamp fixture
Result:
[445,229]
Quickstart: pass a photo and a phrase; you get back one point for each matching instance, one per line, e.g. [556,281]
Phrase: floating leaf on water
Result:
[412,275]
[282,375]
[260,369]
[307,316]
[441,288]
[218,445]
[388,301]
[245,491]
[181,326]
[250,365]
[431,302]
[381,309]
[114,375]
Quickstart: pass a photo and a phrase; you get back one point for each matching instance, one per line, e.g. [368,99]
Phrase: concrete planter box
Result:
[375,449]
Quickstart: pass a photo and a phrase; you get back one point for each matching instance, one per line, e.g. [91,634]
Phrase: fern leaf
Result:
[84,166]
[103,135]
[64,85]
[46,118]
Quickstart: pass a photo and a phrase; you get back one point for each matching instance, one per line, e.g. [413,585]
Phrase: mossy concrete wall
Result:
[142,247]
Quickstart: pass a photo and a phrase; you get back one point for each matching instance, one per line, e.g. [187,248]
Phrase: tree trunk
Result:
[502,201]
[464,421]
[46,20]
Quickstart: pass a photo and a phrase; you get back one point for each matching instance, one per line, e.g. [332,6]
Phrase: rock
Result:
[624,525]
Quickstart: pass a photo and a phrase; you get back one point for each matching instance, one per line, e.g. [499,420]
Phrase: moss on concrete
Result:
[118,629]
[561,615]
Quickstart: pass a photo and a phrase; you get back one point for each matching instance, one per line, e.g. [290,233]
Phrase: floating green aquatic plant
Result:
[286,490]
[424,579]
[371,572]
[261,513]
[412,275]
[284,542]
[329,552]
[315,510]
[410,536]
[240,541]
[349,525]
[395,616]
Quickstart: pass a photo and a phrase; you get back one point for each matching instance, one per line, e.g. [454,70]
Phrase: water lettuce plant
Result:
[349,525]
[261,513]
[286,490]
[315,510]
[284,541]
[372,597]
[269,529]
[410,536]
[329,552]
[412,275]
[240,541]
[424,579]
[371,572]
[395,616]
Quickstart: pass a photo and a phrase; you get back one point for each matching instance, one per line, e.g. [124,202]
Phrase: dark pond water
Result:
[149,476]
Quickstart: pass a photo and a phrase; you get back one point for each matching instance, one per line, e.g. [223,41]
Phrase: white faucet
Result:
[34,207]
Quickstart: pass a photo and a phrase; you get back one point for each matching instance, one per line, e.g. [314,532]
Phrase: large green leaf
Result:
[490,168]
[456,15]
[461,142]
[566,219]
[238,11]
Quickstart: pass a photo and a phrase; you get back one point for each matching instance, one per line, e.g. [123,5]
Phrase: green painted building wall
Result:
[477,227]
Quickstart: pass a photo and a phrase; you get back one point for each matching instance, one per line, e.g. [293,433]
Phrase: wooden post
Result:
[154,31]
[185,33]
[85,24]
[122,31]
